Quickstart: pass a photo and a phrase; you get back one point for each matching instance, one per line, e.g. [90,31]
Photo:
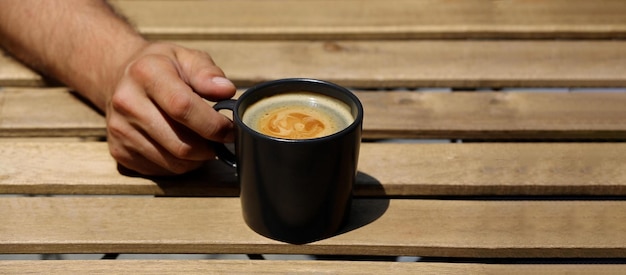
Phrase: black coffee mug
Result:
[294,190]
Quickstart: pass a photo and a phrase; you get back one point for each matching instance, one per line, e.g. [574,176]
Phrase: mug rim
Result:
[355,100]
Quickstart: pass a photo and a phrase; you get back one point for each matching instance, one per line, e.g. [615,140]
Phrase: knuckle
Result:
[211,131]
[179,106]
[206,56]
[116,129]
[183,151]
[120,155]
[218,128]
[140,68]
[120,102]
[143,67]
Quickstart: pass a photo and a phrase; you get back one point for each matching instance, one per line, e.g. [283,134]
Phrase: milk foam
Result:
[298,115]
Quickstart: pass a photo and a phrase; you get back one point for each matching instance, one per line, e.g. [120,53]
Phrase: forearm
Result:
[153,94]
[82,43]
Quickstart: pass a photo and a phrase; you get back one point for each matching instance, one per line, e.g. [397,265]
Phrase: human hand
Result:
[158,122]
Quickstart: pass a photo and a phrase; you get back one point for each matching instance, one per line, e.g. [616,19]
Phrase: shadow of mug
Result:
[214,179]
[365,210]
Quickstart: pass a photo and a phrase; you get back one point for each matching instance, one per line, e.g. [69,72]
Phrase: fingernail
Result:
[222,81]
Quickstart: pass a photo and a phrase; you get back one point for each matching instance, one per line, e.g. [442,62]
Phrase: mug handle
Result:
[223,153]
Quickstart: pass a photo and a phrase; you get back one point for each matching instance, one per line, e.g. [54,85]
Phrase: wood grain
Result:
[425,63]
[447,228]
[408,63]
[592,115]
[495,115]
[469,200]
[13,73]
[371,19]
[292,267]
[52,112]
[557,169]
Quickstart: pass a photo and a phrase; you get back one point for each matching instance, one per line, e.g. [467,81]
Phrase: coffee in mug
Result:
[298,115]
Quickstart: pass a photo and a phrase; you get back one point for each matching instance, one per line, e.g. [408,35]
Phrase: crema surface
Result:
[298,115]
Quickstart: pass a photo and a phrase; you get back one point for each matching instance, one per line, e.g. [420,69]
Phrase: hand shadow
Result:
[213,179]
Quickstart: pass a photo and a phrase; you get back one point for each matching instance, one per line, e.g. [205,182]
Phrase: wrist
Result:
[114,67]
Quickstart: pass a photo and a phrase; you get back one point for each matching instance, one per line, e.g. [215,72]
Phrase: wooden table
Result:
[462,165]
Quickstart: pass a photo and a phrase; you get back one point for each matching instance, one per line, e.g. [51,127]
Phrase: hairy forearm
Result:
[82,43]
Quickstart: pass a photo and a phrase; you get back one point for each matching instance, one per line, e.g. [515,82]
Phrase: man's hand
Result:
[157,119]
[153,93]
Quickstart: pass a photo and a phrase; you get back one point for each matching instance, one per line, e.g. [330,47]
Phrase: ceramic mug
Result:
[295,190]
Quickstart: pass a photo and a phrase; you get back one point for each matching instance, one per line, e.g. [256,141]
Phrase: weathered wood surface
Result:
[416,199]
[372,19]
[53,112]
[293,267]
[407,63]
[495,115]
[251,34]
[31,112]
[447,228]
[14,73]
[385,170]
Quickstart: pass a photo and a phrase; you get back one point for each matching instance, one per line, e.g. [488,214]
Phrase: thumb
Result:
[204,77]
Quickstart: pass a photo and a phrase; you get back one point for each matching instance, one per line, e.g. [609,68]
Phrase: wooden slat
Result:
[460,115]
[355,19]
[416,63]
[452,228]
[13,73]
[425,63]
[495,115]
[47,112]
[293,267]
[385,169]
